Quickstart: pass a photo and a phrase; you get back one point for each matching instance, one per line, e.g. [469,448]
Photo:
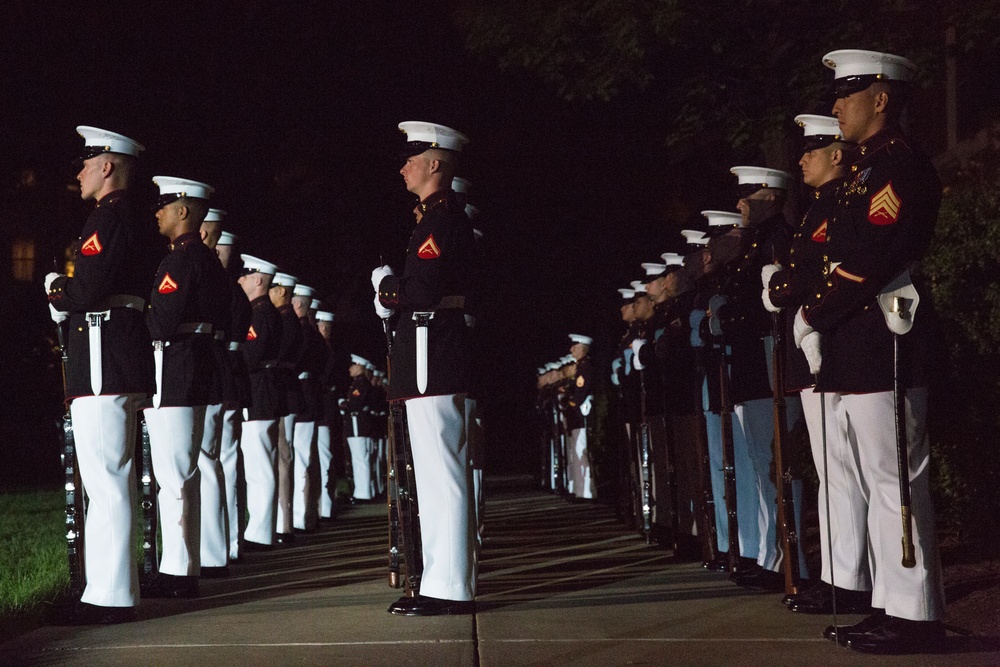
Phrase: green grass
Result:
[33,564]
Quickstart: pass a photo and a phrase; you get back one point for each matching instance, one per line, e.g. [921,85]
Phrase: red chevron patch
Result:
[91,246]
[252,334]
[429,249]
[819,236]
[884,207]
[167,285]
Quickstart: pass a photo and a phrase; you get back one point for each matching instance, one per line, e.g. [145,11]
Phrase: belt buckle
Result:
[96,319]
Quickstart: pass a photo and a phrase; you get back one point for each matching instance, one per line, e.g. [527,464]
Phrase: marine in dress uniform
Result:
[109,368]
[580,400]
[310,364]
[823,170]
[259,437]
[214,513]
[291,347]
[884,220]
[431,368]
[235,394]
[358,429]
[325,422]
[190,297]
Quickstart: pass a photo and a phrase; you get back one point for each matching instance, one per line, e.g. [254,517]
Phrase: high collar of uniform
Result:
[184,240]
[440,197]
[826,189]
[874,144]
[260,301]
[110,198]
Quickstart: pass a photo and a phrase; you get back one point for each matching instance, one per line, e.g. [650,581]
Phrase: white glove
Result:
[380,273]
[382,311]
[58,316]
[765,296]
[714,304]
[49,279]
[769,270]
[615,366]
[810,346]
[586,405]
[800,329]
[636,346]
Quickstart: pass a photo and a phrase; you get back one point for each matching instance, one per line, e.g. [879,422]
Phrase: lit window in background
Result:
[23,259]
[69,264]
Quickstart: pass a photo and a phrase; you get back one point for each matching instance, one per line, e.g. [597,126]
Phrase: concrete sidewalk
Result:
[560,584]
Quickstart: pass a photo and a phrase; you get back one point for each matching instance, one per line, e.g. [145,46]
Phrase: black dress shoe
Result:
[215,572]
[899,636]
[819,600]
[284,538]
[423,605]
[90,614]
[842,633]
[256,546]
[169,586]
[762,579]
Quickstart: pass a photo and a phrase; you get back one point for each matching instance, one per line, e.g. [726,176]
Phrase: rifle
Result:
[149,519]
[403,511]
[783,476]
[728,458]
[73,486]
[645,452]
[708,528]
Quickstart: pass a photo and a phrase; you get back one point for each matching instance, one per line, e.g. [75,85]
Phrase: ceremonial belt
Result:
[234,346]
[194,328]
[95,320]
[305,375]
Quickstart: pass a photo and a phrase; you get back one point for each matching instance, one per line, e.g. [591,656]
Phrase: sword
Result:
[94,322]
[158,346]
[422,319]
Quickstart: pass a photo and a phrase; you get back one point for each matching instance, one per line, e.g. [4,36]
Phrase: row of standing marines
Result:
[763,332]
[243,392]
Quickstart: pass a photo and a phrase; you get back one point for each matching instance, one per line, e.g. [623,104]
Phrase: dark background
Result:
[290,111]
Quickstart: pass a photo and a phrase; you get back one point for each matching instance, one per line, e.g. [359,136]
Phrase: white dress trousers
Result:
[259,443]
[232,421]
[362,455]
[848,511]
[477,459]
[581,484]
[302,445]
[104,430]
[325,455]
[914,593]
[214,517]
[444,491]
[175,436]
[754,436]
[286,472]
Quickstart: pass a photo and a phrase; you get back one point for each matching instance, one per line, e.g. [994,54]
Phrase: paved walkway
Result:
[560,584]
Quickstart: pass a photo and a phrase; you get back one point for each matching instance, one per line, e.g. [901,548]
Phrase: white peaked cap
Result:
[638,287]
[818,126]
[316,304]
[438,136]
[284,280]
[471,211]
[359,360]
[552,366]
[653,269]
[857,62]
[226,238]
[566,360]
[722,218]
[214,215]
[303,290]
[182,187]
[107,141]
[762,176]
[324,316]
[541,370]
[580,338]
[695,236]
[377,373]
[672,259]
[459,184]
[626,292]
[256,264]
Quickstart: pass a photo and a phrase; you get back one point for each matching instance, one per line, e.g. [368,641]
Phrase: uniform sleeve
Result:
[888,228]
[167,302]
[420,288]
[98,264]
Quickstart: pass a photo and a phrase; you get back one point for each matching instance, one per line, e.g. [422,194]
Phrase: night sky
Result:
[290,111]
